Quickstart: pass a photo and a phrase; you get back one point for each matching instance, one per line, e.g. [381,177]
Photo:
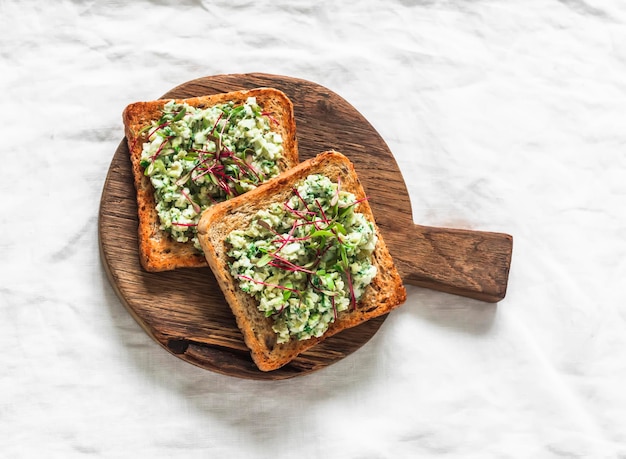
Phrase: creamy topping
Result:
[307,259]
[196,157]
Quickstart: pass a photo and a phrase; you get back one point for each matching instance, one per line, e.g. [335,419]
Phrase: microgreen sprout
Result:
[270,117]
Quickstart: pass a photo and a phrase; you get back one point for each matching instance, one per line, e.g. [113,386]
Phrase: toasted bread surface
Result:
[385,292]
[157,250]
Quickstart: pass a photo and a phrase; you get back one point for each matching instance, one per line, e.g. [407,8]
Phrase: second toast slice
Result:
[300,259]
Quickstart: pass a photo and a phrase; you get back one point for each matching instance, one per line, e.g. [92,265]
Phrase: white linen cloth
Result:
[503,116]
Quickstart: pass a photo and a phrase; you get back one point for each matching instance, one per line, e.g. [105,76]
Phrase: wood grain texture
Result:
[186,312]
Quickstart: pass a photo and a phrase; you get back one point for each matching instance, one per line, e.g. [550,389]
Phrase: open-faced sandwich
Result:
[189,154]
[300,259]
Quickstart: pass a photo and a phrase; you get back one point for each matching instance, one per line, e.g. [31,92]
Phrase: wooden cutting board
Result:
[185,311]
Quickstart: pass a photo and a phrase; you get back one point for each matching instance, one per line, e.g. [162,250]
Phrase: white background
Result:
[503,116]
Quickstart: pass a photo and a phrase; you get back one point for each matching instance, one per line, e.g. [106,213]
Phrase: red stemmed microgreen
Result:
[158,128]
[270,117]
[306,206]
[351,287]
[161,148]
[180,115]
[319,206]
[283,263]
[297,213]
[216,123]
[196,206]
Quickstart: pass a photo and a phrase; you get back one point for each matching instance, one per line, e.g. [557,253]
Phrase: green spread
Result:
[307,259]
[196,157]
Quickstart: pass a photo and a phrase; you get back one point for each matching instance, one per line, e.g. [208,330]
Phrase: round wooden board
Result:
[184,310]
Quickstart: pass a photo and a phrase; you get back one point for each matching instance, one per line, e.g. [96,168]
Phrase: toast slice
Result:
[158,250]
[383,294]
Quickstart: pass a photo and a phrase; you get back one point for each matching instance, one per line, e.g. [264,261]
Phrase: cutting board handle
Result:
[470,263]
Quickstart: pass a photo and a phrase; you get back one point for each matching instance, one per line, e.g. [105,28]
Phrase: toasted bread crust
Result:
[157,250]
[385,293]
